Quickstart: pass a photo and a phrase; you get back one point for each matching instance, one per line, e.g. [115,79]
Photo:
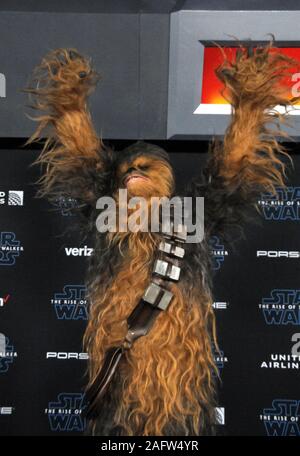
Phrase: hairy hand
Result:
[252,71]
[62,81]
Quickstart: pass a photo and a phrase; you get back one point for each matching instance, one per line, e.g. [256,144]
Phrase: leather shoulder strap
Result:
[157,297]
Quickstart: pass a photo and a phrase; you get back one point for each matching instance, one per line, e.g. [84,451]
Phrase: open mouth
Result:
[134,178]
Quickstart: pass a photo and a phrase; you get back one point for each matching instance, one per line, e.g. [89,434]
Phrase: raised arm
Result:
[74,160]
[251,159]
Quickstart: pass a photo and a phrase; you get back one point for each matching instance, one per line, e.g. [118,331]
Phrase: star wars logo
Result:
[10,248]
[66,205]
[218,251]
[283,206]
[12,198]
[282,419]
[7,353]
[282,307]
[71,303]
[65,415]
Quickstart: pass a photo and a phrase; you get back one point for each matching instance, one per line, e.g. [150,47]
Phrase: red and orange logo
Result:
[212,101]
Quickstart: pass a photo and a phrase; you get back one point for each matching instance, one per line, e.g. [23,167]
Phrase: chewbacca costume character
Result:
[165,382]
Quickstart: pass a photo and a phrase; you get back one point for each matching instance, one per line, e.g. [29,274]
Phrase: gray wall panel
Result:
[111,41]
[154,69]
[189,29]
[137,97]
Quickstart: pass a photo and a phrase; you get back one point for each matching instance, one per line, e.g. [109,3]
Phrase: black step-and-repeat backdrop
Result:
[43,310]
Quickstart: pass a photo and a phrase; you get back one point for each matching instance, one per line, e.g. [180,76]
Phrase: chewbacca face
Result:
[146,175]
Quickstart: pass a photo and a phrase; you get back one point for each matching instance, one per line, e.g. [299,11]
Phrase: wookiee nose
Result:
[131,169]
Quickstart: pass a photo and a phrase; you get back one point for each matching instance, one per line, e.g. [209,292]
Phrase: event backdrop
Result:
[43,311]
[155,85]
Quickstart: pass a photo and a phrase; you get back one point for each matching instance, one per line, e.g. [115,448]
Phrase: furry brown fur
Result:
[250,160]
[166,384]
[59,89]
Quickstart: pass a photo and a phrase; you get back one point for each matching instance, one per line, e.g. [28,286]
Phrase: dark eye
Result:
[144,167]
